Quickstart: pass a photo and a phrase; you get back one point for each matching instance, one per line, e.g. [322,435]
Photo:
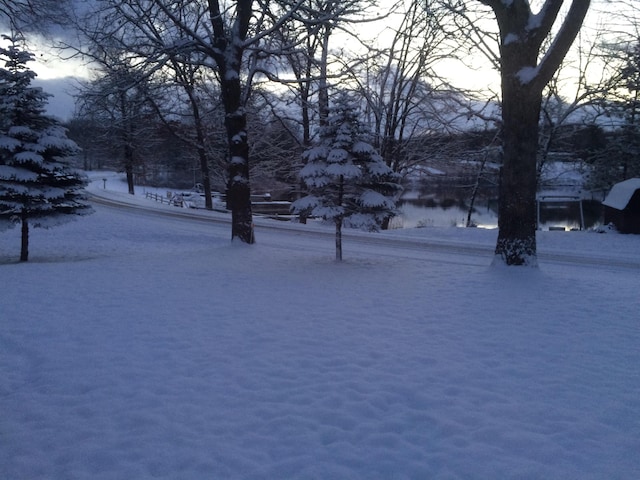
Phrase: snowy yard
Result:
[139,346]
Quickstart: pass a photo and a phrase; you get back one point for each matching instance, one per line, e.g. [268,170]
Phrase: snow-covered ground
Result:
[136,345]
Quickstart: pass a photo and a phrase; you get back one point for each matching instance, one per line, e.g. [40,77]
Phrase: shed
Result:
[622,206]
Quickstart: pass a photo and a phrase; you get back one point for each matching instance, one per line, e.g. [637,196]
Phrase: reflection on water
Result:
[413,214]
[429,213]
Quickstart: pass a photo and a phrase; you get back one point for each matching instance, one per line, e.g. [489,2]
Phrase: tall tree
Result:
[305,48]
[573,97]
[229,36]
[187,74]
[119,97]
[33,15]
[347,179]
[404,94]
[37,186]
[525,70]
[226,33]
[165,53]
[619,157]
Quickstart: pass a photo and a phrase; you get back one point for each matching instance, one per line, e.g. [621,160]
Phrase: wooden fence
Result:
[158,198]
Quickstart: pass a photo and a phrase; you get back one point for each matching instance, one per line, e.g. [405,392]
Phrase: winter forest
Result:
[232,96]
[257,285]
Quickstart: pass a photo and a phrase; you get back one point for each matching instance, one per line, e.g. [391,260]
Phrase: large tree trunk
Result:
[521,103]
[238,188]
[525,70]
[228,57]
[516,243]
[24,248]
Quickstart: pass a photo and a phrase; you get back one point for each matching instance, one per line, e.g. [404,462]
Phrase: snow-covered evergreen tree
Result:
[348,181]
[38,187]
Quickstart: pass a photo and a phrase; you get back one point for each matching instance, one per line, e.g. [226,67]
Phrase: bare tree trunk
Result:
[339,239]
[474,194]
[339,220]
[126,140]
[186,76]
[522,34]
[516,243]
[306,136]
[24,248]
[206,178]
[202,155]
[229,58]
[128,167]
[238,188]
[323,88]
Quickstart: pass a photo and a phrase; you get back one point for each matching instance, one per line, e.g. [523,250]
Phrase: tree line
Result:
[227,92]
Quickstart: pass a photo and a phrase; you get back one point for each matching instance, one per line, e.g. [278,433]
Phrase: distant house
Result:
[622,206]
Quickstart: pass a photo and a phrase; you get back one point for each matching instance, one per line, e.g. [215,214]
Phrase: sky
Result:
[61,103]
[58,77]
[141,344]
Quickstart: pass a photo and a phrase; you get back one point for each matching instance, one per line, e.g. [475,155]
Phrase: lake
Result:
[431,212]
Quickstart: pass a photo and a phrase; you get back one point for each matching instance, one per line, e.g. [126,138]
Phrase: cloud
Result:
[61,104]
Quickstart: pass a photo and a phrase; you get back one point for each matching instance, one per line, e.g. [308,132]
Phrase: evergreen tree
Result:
[37,186]
[348,181]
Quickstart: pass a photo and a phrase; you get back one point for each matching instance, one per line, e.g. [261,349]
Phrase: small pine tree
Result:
[37,185]
[348,181]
